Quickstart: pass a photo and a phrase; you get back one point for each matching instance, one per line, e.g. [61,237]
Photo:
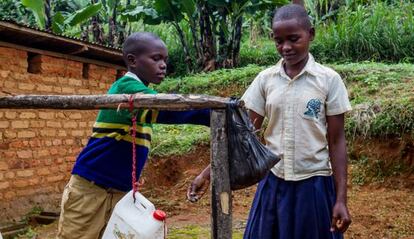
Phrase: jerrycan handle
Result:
[142,203]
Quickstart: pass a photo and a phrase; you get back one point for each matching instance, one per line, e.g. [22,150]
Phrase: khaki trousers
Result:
[86,209]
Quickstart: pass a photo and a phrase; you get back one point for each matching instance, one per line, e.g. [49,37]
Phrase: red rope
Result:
[134,156]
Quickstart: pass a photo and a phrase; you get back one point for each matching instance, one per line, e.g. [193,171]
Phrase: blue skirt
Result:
[292,209]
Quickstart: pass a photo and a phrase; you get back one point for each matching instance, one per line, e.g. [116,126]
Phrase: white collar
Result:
[132,75]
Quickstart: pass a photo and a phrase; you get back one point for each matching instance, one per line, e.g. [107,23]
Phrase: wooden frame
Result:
[221,198]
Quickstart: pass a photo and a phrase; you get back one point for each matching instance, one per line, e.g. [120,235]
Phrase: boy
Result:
[102,172]
[305,104]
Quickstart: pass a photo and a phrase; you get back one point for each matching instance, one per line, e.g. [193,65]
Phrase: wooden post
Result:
[221,200]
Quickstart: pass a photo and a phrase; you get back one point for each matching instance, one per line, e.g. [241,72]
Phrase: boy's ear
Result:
[312,33]
[131,60]
[271,35]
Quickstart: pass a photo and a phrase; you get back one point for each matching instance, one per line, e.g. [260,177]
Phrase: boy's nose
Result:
[163,65]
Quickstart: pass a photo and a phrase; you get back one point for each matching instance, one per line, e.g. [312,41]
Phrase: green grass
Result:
[196,232]
[381,94]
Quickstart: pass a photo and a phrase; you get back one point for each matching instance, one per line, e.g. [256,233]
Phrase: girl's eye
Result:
[294,39]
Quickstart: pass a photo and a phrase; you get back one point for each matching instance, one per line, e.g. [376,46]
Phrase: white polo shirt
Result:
[296,110]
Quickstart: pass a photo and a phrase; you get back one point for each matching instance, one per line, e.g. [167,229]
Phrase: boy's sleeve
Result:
[254,97]
[199,117]
[337,101]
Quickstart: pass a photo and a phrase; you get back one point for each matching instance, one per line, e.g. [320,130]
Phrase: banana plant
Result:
[60,19]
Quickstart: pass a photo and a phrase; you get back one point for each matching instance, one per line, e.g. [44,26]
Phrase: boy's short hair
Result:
[292,11]
[137,42]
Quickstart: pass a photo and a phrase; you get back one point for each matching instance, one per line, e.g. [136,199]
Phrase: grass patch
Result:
[196,232]
[381,95]
[178,139]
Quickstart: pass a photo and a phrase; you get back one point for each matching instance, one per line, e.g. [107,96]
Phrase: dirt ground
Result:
[379,210]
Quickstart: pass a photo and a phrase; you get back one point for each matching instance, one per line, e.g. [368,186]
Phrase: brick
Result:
[54,151]
[25,173]
[68,90]
[43,171]
[45,88]
[57,142]
[56,178]
[26,134]
[9,195]
[20,124]
[26,86]
[4,74]
[1,176]
[48,142]
[70,124]
[57,89]
[24,154]
[10,134]
[84,92]
[53,124]
[10,175]
[75,82]
[43,153]
[3,165]
[4,124]
[63,81]
[62,133]
[27,115]
[1,114]
[10,115]
[69,142]
[48,132]
[1,135]
[35,143]
[20,183]
[77,133]
[46,115]
[18,144]
[4,185]
[75,116]
[37,124]
[11,85]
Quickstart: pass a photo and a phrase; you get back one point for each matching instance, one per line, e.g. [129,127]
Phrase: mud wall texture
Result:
[38,147]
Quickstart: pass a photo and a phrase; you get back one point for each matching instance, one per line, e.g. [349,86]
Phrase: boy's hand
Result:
[340,218]
[199,185]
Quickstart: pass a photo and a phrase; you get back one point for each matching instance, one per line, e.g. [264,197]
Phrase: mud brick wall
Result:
[38,147]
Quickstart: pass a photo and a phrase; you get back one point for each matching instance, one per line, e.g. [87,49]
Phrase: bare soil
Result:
[379,210]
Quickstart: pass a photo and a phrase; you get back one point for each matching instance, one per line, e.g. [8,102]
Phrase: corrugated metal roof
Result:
[32,37]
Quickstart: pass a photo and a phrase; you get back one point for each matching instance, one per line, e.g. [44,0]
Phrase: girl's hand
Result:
[199,185]
[340,218]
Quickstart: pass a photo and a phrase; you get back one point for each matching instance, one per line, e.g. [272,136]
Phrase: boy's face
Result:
[292,41]
[150,65]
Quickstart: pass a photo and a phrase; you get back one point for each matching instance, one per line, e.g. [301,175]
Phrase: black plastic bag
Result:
[249,159]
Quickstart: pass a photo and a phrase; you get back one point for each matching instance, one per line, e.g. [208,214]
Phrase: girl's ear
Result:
[312,33]
[131,60]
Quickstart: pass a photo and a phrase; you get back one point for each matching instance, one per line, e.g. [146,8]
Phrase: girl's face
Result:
[292,42]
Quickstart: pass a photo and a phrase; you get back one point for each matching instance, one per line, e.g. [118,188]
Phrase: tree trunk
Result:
[113,29]
[195,36]
[207,39]
[48,24]
[123,30]
[222,39]
[97,29]
[236,42]
[184,44]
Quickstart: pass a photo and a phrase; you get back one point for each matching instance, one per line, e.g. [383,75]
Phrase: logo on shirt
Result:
[313,108]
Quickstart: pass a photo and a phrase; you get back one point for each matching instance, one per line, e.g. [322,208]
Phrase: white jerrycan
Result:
[137,220]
